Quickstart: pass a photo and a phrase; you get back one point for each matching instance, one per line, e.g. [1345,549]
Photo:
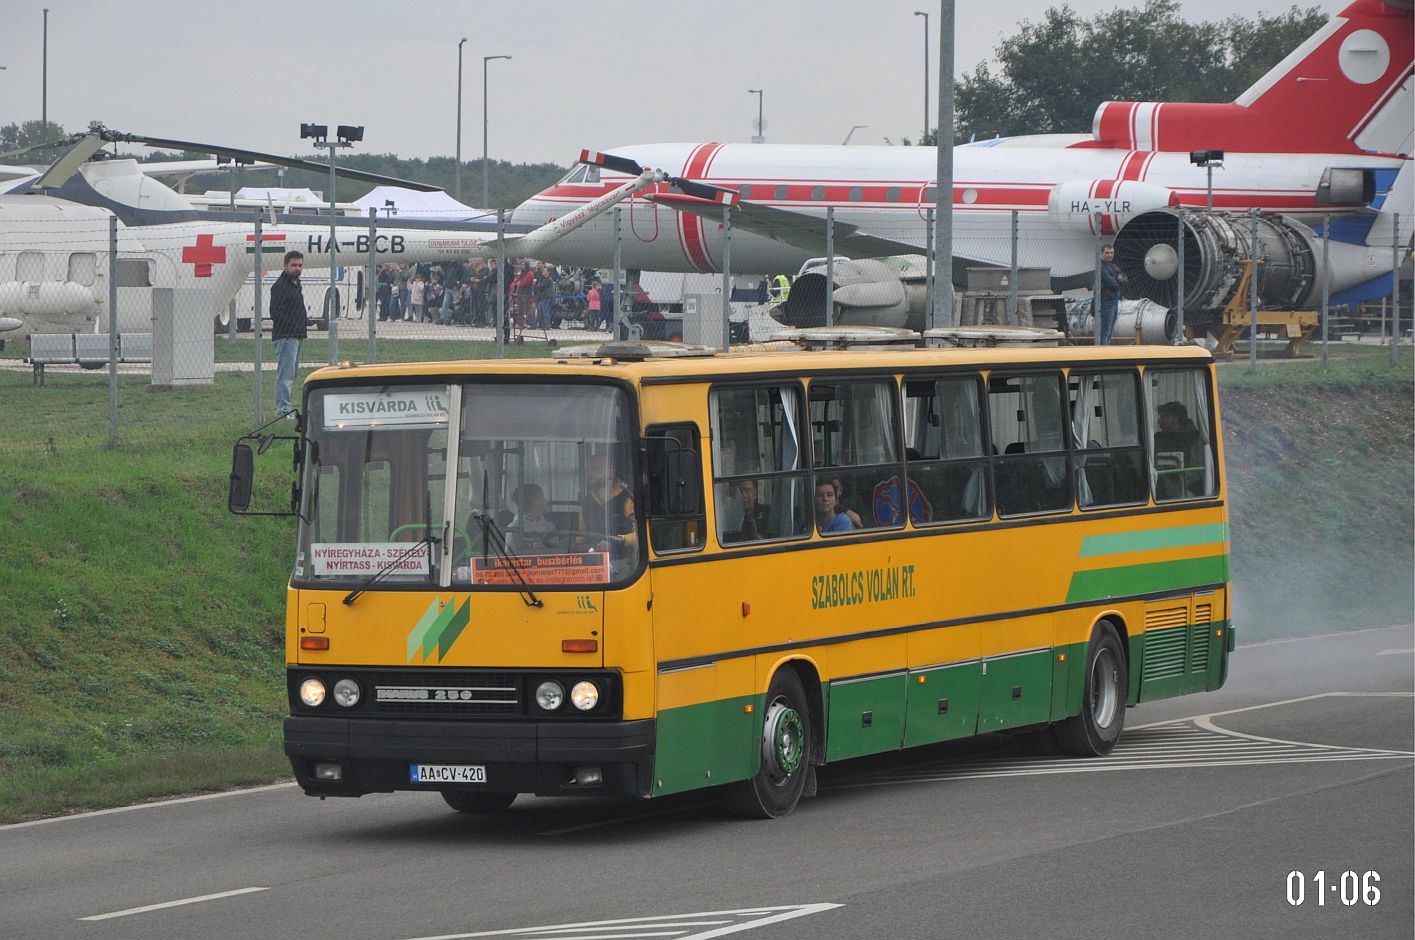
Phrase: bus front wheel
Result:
[478,801]
[776,787]
[1095,730]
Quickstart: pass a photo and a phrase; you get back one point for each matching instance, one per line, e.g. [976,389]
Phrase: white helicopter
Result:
[54,238]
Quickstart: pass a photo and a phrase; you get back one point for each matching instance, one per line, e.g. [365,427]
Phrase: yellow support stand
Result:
[1298,325]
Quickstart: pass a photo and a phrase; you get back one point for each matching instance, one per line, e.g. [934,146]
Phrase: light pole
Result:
[760,136]
[485,167]
[926,72]
[1208,159]
[347,135]
[458,184]
[44,75]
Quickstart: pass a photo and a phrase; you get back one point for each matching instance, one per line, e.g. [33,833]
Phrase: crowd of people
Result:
[538,295]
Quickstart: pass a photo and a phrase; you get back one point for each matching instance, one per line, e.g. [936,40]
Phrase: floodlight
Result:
[351,133]
[317,131]
[1206,157]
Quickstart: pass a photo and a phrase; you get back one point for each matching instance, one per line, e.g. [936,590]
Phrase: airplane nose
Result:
[531,212]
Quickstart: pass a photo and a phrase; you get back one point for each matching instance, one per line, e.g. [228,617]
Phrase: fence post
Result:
[1179,287]
[1014,317]
[1096,283]
[929,274]
[112,331]
[1253,298]
[1395,288]
[501,283]
[726,278]
[830,266]
[258,314]
[617,328]
[1326,285]
[370,287]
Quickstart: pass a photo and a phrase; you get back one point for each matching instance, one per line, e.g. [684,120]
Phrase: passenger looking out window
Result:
[829,517]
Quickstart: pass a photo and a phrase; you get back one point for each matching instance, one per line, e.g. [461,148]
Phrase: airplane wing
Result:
[533,241]
[793,228]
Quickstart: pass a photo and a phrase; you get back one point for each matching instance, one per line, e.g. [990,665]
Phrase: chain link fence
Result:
[192,300]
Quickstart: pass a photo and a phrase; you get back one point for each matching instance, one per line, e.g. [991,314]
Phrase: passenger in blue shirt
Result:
[829,517]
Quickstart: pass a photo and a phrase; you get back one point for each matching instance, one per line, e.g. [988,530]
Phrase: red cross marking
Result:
[203,255]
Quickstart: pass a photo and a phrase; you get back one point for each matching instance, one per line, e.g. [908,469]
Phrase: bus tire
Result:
[1094,732]
[775,789]
[478,802]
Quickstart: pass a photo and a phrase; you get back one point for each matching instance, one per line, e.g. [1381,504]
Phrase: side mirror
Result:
[675,481]
[683,483]
[242,478]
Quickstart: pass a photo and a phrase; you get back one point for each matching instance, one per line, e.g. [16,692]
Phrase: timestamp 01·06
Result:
[1350,887]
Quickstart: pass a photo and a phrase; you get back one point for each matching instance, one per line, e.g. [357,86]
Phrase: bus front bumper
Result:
[545,758]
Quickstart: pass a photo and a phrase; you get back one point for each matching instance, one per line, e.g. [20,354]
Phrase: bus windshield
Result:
[542,490]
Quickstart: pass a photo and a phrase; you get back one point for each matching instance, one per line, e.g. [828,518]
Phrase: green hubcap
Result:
[784,744]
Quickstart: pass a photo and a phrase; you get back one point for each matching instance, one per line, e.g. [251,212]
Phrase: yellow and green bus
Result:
[654,568]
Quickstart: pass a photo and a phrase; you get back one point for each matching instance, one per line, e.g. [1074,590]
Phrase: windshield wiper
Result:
[430,540]
[492,537]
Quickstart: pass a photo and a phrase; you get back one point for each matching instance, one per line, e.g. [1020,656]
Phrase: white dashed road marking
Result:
[677,926]
[1167,745]
[157,907]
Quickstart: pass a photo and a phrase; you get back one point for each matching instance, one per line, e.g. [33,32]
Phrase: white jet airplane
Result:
[1328,130]
[54,239]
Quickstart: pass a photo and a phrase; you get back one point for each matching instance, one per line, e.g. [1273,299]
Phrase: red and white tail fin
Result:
[1347,89]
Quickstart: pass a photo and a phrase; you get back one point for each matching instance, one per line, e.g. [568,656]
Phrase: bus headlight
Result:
[312,692]
[550,695]
[584,696]
[346,692]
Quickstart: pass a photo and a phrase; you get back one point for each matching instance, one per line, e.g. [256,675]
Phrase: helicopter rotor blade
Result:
[255,155]
[69,162]
[47,145]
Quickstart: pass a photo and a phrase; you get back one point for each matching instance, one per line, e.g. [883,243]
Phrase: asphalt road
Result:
[1303,764]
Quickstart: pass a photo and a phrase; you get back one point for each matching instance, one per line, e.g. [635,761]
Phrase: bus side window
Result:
[854,429]
[760,477]
[1029,431]
[1181,437]
[1105,425]
[947,467]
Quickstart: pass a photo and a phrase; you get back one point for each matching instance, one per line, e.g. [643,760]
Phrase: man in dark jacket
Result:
[1113,283]
[287,319]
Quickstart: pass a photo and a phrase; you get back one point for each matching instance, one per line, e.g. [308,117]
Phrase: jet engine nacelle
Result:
[1215,247]
[867,293]
[46,298]
[1076,203]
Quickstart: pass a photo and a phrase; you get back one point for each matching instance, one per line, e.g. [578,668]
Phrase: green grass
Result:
[1347,364]
[141,646]
[141,619]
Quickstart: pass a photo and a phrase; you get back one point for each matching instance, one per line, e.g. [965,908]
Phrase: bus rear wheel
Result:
[1097,728]
[775,789]
[477,801]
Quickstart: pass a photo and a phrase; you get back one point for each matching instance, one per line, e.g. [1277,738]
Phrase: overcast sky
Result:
[584,74]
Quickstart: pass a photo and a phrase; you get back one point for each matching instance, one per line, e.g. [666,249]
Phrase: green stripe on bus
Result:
[1117,543]
[1146,579]
[707,744]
